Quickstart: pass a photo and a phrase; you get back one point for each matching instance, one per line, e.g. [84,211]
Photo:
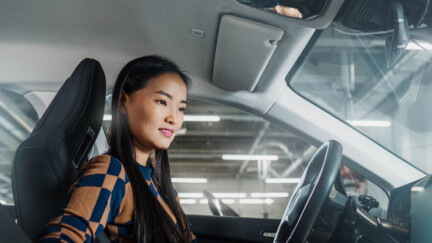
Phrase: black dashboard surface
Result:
[399,205]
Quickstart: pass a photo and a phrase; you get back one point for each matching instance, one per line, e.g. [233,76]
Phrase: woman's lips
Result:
[167,132]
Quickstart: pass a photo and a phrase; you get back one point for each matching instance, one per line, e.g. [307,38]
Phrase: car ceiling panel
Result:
[47,38]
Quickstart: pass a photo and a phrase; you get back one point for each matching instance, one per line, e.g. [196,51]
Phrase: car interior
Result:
[297,82]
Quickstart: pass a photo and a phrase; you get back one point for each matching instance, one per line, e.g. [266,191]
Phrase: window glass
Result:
[349,76]
[203,171]
[209,182]
[356,184]
[248,187]
[17,120]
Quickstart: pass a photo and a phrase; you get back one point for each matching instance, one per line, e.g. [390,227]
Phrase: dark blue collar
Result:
[146,171]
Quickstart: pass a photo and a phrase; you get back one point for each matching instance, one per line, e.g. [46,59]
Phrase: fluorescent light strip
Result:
[228,201]
[414,46]
[267,201]
[282,180]
[269,194]
[230,195]
[248,157]
[370,123]
[417,188]
[225,201]
[203,201]
[187,201]
[189,180]
[217,195]
[201,118]
[190,195]
[187,118]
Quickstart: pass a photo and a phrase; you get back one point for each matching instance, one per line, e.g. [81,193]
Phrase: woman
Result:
[125,192]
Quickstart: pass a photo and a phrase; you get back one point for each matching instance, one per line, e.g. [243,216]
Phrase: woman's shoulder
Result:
[105,164]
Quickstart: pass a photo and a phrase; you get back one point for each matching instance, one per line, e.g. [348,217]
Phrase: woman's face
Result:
[155,112]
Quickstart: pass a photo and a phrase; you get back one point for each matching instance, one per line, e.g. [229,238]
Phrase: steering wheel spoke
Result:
[297,203]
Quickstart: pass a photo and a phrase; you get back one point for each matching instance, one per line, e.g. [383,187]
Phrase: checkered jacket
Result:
[101,199]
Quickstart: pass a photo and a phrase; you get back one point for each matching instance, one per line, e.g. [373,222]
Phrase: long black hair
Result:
[151,222]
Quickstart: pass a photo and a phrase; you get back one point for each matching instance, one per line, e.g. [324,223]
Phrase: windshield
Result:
[348,76]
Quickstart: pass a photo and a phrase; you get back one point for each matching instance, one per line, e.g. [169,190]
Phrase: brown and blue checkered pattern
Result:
[101,199]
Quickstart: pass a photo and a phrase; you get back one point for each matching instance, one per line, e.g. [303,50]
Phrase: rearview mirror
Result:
[398,40]
[302,9]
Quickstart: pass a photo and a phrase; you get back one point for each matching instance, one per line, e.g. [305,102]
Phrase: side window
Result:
[17,120]
[356,184]
[216,167]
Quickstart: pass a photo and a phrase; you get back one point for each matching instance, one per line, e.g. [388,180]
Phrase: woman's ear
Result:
[123,100]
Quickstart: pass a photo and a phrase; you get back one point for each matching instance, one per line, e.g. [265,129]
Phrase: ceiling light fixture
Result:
[283,180]
[203,201]
[187,201]
[248,157]
[417,188]
[230,195]
[269,194]
[267,201]
[419,46]
[189,180]
[190,195]
[107,117]
[225,201]
[369,123]
[201,118]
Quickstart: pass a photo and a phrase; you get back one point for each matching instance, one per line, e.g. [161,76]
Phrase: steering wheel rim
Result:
[309,197]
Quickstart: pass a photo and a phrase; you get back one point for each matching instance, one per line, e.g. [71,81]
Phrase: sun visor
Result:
[243,50]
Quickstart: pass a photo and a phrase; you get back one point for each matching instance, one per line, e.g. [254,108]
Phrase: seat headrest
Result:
[47,162]
[76,109]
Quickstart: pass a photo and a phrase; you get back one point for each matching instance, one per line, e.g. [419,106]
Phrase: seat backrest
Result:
[48,162]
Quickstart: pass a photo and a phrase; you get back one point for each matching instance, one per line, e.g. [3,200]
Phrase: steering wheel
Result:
[310,194]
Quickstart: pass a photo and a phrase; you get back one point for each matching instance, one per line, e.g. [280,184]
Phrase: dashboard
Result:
[399,205]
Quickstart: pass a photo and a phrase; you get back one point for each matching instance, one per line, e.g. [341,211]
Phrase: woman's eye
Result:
[162,102]
[182,109]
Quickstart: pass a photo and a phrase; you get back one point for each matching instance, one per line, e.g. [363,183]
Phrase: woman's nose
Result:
[171,118]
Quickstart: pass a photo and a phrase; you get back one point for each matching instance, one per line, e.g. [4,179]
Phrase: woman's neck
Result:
[141,156]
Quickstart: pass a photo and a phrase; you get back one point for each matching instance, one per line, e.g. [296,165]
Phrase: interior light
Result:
[187,201]
[228,201]
[230,195]
[181,131]
[225,201]
[189,180]
[270,194]
[282,180]
[190,195]
[370,123]
[107,117]
[421,46]
[248,157]
[201,118]
[267,201]
[417,188]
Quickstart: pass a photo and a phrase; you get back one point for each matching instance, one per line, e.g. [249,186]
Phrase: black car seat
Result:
[48,161]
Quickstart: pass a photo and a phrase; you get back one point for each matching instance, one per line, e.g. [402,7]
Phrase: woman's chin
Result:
[162,147]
